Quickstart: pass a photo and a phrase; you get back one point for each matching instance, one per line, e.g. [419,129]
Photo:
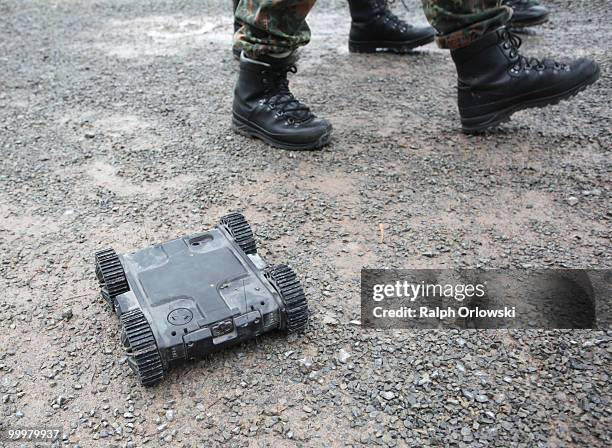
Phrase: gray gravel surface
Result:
[115,132]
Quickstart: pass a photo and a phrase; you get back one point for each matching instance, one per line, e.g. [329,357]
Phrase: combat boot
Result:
[526,13]
[375,28]
[237,26]
[265,108]
[495,80]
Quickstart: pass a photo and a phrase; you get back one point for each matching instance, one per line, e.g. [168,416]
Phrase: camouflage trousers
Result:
[460,22]
[277,26]
[272,26]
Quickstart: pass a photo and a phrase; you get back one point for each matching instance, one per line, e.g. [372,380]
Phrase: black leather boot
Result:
[495,80]
[375,28]
[526,13]
[237,26]
[265,108]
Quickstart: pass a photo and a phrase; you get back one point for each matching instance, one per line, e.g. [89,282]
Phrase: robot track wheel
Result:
[292,294]
[141,348]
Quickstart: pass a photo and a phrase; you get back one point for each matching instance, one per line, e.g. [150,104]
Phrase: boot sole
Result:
[391,47]
[250,130]
[479,124]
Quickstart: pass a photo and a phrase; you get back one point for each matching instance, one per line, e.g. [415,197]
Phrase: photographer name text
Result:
[442,313]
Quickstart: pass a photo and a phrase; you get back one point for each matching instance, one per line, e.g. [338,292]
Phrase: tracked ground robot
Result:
[187,297]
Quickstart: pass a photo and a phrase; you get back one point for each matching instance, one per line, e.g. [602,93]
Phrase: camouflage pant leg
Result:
[272,26]
[460,22]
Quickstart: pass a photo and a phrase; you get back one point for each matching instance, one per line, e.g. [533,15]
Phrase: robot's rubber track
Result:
[292,293]
[141,348]
[110,274]
[239,228]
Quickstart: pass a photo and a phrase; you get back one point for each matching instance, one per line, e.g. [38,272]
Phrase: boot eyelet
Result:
[506,45]
[290,121]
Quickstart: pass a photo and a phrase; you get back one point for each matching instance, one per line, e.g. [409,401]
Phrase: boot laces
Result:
[391,18]
[513,42]
[280,98]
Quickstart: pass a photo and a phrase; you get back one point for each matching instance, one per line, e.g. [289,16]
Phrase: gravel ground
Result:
[115,132]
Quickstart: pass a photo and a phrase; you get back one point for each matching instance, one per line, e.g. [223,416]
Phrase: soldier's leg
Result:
[264,107]
[374,27]
[461,22]
[495,80]
[272,26]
